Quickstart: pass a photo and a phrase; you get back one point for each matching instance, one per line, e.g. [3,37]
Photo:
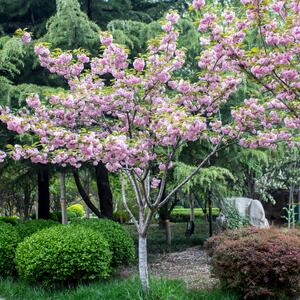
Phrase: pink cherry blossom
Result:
[139,64]
[26,37]
[197,4]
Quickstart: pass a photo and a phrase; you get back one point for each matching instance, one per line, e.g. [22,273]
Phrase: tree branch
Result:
[125,203]
[85,197]
[179,186]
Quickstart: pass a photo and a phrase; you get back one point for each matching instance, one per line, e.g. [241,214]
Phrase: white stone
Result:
[251,209]
[257,215]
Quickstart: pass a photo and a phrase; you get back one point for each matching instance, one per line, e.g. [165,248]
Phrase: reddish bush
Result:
[265,263]
[212,243]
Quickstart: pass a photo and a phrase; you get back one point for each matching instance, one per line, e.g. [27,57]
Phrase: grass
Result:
[112,290]
[157,239]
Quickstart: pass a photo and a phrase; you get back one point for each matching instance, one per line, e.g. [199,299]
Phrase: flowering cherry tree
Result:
[135,116]
[270,63]
[132,118]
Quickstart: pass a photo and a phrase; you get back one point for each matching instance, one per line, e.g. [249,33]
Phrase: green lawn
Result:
[112,290]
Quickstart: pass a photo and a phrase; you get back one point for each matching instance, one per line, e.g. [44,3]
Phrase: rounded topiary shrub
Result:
[76,210]
[63,254]
[29,227]
[9,240]
[119,239]
[216,240]
[263,264]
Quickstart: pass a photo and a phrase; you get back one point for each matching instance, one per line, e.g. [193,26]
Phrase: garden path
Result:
[190,265]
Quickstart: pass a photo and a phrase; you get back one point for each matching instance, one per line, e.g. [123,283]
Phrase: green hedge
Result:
[9,240]
[27,228]
[63,254]
[13,220]
[120,242]
[180,214]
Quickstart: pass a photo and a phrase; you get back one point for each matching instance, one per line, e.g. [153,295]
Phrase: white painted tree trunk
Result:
[63,202]
[143,264]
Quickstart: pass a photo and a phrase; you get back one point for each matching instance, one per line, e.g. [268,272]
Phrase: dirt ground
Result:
[191,266]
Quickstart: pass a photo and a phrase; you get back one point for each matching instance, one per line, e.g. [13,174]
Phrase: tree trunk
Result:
[210,214]
[192,207]
[43,193]
[168,232]
[163,216]
[143,265]
[63,201]
[104,192]
[89,9]
[85,197]
[87,189]
[27,198]
[298,204]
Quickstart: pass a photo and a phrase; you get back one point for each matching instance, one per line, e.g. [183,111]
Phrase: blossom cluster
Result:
[138,117]
[132,115]
[270,63]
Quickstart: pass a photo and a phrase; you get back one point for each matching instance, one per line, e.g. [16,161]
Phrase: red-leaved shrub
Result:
[266,262]
[212,243]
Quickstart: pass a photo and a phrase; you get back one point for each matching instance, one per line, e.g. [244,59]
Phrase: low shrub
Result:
[13,220]
[120,242]
[121,216]
[63,254]
[9,240]
[262,264]
[29,227]
[212,243]
[55,216]
[75,210]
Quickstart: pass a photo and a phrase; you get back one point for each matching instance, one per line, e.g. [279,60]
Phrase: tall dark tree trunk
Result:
[85,197]
[27,201]
[104,191]
[89,9]
[43,193]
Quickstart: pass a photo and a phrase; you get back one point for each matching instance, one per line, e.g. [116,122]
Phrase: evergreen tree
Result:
[70,28]
[32,14]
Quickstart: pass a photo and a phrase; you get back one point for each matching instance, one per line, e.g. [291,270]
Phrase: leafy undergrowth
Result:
[157,239]
[112,290]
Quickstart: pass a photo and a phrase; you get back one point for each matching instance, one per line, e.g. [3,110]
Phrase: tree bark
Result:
[43,193]
[85,197]
[210,214]
[168,232]
[104,191]
[143,264]
[27,198]
[192,207]
[63,200]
